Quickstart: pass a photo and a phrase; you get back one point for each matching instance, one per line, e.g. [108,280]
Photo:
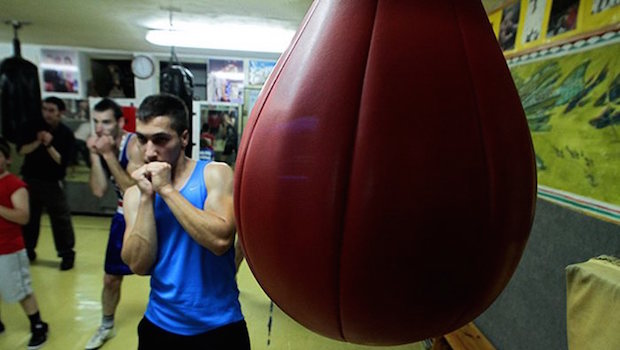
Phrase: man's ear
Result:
[121,122]
[185,138]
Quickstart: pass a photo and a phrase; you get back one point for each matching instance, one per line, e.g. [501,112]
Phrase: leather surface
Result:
[385,183]
[20,97]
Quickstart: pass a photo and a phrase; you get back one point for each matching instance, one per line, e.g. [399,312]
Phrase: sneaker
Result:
[66,264]
[1,327]
[102,335]
[39,336]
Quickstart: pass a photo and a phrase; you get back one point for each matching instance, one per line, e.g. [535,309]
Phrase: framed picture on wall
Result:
[599,6]
[258,71]
[225,81]
[60,72]
[219,131]
[508,26]
[251,95]
[112,78]
[534,18]
[563,17]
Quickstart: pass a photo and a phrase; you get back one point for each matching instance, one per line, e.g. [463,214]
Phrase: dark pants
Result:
[233,336]
[49,195]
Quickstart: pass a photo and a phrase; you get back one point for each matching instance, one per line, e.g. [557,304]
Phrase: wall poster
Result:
[225,80]
[219,131]
[258,71]
[111,78]
[61,72]
[602,5]
[534,18]
[508,26]
[600,13]
[563,17]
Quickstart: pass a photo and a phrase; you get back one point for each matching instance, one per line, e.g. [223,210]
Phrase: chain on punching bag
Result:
[178,80]
[20,93]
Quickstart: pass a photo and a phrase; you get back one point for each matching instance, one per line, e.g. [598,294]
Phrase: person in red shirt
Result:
[15,283]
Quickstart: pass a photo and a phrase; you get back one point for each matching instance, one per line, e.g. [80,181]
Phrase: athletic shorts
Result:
[232,336]
[15,282]
[114,265]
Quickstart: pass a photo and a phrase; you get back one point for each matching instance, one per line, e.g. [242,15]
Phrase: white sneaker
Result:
[100,337]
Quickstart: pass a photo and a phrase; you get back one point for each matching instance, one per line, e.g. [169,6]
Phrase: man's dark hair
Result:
[165,105]
[107,104]
[58,102]
[5,148]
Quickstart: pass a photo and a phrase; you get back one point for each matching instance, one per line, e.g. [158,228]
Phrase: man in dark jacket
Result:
[48,150]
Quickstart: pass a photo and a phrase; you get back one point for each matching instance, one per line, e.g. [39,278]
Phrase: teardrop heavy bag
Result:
[179,81]
[385,185]
[20,98]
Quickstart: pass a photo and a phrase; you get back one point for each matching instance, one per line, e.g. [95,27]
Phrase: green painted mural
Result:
[572,104]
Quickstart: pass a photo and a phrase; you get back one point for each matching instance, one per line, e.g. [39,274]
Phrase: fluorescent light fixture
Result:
[225,36]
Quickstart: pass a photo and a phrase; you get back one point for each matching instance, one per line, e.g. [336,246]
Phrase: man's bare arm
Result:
[122,176]
[140,241]
[213,226]
[20,213]
[97,179]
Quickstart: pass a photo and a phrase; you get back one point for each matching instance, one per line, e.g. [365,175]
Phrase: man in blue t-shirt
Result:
[180,231]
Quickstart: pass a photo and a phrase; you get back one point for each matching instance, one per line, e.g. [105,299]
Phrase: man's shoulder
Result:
[130,143]
[217,171]
[215,166]
[126,136]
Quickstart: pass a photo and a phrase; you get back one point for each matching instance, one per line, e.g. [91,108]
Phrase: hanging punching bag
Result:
[20,94]
[178,80]
[385,185]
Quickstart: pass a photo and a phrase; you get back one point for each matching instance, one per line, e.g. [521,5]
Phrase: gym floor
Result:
[70,302]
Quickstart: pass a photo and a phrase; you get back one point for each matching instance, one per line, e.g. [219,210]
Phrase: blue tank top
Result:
[192,289]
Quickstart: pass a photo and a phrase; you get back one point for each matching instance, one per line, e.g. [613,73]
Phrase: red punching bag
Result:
[385,184]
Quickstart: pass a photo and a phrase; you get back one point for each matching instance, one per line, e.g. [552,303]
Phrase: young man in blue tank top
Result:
[180,231]
[114,154]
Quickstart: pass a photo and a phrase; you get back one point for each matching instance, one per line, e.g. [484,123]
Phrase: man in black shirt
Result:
[48,150]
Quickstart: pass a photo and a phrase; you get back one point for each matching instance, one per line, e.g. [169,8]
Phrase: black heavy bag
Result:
[178,80]
[20,97]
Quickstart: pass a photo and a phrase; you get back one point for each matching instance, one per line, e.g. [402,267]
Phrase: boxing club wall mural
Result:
[572,103]
[564,58]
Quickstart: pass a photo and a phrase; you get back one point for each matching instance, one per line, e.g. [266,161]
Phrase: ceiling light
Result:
[225,36]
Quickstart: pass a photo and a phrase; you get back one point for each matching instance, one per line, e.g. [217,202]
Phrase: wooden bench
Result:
[467,337]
